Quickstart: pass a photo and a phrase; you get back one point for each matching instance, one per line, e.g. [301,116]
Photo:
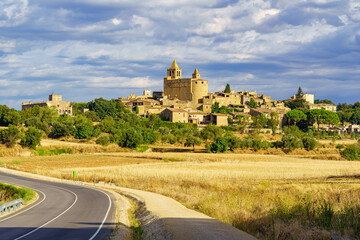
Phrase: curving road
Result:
[63,211]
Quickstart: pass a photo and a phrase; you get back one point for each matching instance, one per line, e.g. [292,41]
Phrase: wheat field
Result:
[271,197]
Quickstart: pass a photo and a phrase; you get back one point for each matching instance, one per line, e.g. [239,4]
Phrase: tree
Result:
[355,118]
[227,89]
[316,115]
[83,130]
[220,145]
[32,138]
[252,103]
[273,122]
[211,132]
[291,142]
[295,116]
[192,141]
[258,122]
[131,139]
[215,108]
[10,135]
[330,117]
[309,142]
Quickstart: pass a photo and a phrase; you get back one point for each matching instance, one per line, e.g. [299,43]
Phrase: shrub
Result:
[83,130]
[351,152]
[192,141]
[291,142]
[62,129]
[309,143]
[131,139]
[340,146]
[103,140]
[10,135]
[220,145]
[32,138]
[234,142]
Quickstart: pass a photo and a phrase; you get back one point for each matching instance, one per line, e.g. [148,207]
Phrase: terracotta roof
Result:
[176,110]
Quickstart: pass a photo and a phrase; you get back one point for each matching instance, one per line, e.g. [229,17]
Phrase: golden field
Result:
[271,197]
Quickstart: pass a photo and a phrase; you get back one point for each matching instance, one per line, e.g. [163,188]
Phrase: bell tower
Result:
[174,72]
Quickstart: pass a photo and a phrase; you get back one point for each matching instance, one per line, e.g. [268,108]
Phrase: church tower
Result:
[196,74]
[174,72]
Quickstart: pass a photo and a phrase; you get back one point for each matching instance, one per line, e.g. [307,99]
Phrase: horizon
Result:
[87,49]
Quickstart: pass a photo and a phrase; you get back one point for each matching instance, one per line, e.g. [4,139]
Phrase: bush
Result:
[234,143]
[220,145]
[32,138]
[62,129]
[131,139]
[10,135]
[340,146]
[291,142]
[351,152]
[309,143]
[103,140]
[83,130]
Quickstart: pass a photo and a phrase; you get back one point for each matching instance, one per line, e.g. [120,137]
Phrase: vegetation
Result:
[267,196]
[351,152]
[227,88]
[9,193]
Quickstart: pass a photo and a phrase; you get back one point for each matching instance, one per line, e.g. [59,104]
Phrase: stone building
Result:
[186,89]
[62,107]
[175,115]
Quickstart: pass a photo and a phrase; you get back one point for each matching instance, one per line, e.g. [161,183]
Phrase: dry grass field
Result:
[271,197]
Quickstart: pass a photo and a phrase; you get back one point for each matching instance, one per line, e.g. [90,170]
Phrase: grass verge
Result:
[9,193]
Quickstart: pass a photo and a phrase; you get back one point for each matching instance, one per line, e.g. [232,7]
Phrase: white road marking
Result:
[28,208]
[106,215]
[76,198]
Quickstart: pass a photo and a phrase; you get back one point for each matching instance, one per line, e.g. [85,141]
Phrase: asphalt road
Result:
[63,211]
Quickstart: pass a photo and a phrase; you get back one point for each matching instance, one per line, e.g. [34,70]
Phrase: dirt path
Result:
[181,223]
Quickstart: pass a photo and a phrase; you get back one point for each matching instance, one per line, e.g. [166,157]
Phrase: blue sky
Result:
[84,49]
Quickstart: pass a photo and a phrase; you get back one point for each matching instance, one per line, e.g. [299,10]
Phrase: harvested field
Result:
[271,197]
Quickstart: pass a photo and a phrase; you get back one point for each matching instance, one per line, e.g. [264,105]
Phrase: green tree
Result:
[215,108]
[10,135]
[220,145]
[351,152]
[252,103]
[355,118]
[92,116]
[330,117]
[295,116]
[211,132]
[273,122]
[103,140]
[309,142]
[316,116]
[227,88]
[32,138]
[107,124]
[192,141]
[131,138]
[291,142]
[83,130]
[258,122]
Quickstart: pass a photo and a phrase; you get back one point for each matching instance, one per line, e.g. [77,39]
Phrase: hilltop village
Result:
[187,100]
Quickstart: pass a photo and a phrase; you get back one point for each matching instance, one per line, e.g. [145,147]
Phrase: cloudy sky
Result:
[84,49]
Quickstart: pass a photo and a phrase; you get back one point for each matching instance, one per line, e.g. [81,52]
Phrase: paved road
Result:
[63,211]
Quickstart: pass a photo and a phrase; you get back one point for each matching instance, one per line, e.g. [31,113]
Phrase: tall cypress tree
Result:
[227,89]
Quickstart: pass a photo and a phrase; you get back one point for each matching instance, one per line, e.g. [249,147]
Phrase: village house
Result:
[62,107]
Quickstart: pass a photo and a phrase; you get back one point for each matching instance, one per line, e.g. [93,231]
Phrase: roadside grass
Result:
[9,193]
[270,197]
[50,152]
[135,224]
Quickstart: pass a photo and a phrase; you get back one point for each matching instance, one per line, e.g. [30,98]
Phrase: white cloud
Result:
[116,21]
[12,12]
[264,14]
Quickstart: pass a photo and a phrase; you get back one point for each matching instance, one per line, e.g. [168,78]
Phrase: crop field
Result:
[271,197]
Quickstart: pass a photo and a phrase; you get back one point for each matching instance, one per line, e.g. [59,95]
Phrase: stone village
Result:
[187,100]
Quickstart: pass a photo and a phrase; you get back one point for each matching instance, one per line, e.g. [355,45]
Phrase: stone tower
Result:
[186,89]
[174,72]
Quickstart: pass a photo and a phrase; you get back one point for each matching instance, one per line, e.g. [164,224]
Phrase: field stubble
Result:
[271,197]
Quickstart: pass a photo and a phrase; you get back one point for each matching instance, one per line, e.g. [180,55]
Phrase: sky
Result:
[86,49]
